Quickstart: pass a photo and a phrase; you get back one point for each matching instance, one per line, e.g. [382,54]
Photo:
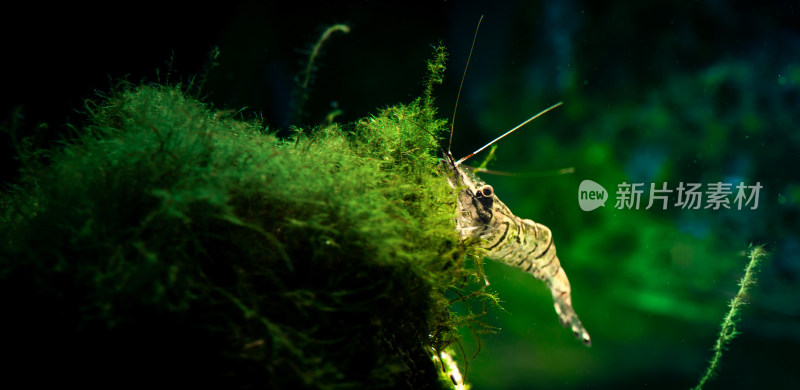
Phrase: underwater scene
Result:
[308,195]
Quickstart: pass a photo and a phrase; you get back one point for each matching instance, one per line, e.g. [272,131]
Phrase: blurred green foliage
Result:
[653,284]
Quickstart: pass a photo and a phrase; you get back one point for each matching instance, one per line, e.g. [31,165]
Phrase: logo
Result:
[714,196]
[591,195]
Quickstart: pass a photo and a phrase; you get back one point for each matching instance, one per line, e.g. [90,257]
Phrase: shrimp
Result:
[520,243]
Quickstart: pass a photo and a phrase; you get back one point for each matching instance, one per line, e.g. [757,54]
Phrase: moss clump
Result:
[167,246]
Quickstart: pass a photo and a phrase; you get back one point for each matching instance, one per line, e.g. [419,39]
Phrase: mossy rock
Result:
[169,245]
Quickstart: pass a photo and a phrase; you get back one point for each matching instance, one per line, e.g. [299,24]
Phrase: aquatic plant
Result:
[169,243]
[728,328]
[304,80]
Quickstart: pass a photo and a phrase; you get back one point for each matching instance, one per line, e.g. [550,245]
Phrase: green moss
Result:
[174,246]
[728,328]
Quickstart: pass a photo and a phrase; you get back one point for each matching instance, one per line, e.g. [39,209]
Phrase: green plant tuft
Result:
[168,245]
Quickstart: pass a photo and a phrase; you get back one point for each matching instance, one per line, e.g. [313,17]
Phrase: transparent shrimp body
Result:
[520,243]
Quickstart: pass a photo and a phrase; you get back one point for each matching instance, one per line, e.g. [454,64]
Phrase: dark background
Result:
[654,92]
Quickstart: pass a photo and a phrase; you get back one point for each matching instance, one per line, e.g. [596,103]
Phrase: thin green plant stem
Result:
[304,80]
[728,329]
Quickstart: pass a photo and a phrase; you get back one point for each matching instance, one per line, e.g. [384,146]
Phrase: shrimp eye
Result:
[484,196]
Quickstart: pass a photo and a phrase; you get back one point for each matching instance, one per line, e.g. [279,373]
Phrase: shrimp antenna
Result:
[463,76]
[509,132]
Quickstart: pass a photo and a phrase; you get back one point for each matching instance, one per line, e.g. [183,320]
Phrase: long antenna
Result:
[463,76]
[509,132]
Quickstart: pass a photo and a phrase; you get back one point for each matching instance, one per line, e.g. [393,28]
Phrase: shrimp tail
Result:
[562,301]
[545,266]
[530,247]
